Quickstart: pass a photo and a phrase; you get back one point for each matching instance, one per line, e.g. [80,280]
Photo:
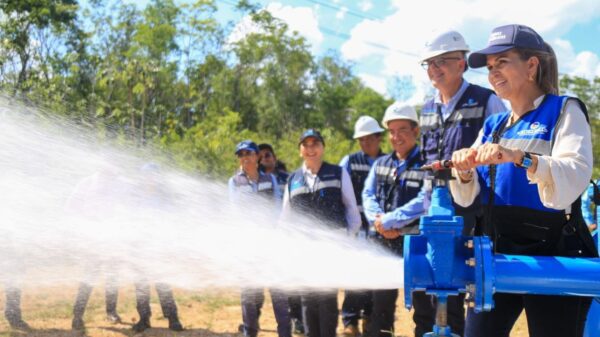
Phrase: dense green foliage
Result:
[168,76]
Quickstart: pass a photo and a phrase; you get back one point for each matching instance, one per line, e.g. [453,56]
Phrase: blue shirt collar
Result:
[448,108]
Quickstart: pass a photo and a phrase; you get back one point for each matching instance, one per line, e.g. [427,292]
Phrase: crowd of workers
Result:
[520,174]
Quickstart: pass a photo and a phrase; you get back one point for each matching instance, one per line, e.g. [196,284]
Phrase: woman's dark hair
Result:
[547,72]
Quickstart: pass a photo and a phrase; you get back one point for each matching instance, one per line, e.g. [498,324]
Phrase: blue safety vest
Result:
[534,132]
[515,217]
[324,199]
[440,138]
[264,185]
[396,189]
[359,165]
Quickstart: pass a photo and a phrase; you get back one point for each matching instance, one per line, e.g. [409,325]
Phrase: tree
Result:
[22,19]
[589,92]
[335,86]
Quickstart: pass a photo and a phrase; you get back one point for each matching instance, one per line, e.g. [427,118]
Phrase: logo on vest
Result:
[535,128]
[471,102]
[295,184]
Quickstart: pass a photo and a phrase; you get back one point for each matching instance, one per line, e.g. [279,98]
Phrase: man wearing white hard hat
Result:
[394,198]
[451,120]
[368,133]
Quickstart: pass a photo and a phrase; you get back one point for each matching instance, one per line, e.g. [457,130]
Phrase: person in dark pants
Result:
[451,120]
[167,304]
[84,291]
[528,168]
[394,198]
[94,199]
[325,191]
[368,133]
[152,196]
[12,268]
[247,182]
[269,164]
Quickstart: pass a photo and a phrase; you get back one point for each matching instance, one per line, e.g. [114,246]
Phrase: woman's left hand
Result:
[491,154]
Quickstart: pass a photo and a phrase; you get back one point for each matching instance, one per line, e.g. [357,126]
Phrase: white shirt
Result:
[561,177]
[352,213]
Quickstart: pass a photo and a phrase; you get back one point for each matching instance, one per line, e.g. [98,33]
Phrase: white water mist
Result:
[74,209]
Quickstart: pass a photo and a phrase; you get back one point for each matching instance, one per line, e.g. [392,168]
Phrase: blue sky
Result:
[384,38]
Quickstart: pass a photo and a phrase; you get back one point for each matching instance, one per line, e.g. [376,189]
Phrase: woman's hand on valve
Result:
[493,154]
[464,159]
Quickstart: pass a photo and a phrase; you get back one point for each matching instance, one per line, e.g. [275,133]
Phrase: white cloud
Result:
[301,19]
[375,82]
[365,5]
[404,32]
[584,64]
[341,13]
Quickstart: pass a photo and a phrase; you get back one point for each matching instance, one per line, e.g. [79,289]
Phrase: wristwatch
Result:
[526,161]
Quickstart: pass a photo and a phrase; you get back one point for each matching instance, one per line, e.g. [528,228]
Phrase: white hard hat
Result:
[442,43]
[366,125]
[399,111]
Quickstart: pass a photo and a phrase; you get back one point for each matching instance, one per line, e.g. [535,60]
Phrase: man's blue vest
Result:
[460,130]
[393,189]
[359,170]
[324,199]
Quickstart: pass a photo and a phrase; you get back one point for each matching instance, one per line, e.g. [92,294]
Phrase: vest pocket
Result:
[524,231]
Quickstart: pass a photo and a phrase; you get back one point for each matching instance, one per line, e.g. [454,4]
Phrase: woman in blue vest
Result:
[324,191]
[529,166]
[248,182]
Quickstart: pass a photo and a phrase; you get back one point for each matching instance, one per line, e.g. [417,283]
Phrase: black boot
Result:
[175,324]
[142,324]
[77,323]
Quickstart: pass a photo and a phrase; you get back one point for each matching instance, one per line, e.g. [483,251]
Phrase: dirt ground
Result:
[203,313]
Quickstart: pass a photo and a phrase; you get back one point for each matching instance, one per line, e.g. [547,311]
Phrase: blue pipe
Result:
[443,263]
[544,275]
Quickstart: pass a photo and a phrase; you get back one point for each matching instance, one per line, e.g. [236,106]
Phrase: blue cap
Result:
[311,133]
[247,145]
[504,38]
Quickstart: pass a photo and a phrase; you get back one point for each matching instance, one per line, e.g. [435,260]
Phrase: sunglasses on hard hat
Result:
[438,62]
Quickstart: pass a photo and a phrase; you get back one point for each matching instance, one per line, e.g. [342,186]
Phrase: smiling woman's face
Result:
[509,75]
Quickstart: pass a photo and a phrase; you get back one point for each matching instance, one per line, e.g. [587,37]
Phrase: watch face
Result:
[527,161]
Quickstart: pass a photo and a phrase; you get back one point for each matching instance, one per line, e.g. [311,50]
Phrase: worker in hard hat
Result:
[451,120]
[394,198]
[529,167]
[453,117]
[357,304]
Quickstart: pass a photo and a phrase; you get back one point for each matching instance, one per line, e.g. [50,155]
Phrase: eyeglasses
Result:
[266,155]
[244,153]
[439,62]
